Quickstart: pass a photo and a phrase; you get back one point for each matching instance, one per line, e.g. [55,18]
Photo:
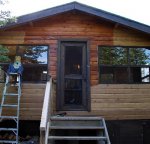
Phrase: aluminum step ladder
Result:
[76,128]
[10,91]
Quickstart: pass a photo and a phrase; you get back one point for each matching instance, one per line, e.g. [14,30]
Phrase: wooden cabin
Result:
[98,64]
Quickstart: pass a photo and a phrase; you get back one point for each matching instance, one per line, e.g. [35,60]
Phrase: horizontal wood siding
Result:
[128,37]
[74,25]
[64,26]
[122,101]
[31,101]
[118,102]
[110,101]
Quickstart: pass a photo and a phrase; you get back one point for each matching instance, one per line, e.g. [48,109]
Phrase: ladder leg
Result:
[106,132]
[4,91]
[6,94]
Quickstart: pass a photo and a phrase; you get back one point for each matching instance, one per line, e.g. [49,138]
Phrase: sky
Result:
[138,10]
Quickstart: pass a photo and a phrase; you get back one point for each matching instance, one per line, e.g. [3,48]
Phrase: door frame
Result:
[59,106]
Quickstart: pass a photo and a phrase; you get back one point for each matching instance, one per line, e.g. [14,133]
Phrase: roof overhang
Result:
[83,8]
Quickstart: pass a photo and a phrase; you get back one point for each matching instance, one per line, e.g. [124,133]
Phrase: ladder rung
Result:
[15,85]
[8,129]
[13,73]
[77,138]
[58,118]
[9,105]
[8,141]
[8,117]
[11,94]
[78,127]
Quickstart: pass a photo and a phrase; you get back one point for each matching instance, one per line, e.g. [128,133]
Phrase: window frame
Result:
[128,65]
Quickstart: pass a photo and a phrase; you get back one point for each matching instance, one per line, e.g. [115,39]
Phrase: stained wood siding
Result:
[127,37]
[74,25]
[31,101]
[110,101]
[65,26]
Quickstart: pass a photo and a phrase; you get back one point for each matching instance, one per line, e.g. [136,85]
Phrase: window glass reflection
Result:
[113,55]
[34,60]
[124,64]
[145,75]
[139,56]
[33,54]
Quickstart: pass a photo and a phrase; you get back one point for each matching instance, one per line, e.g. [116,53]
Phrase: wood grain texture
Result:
[121,101]
[110,101]
[64,26]
[31,101]
[128,37]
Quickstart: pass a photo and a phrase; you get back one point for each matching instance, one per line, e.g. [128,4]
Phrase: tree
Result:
[3,54]
[120,55]
[33,54]
[5,15]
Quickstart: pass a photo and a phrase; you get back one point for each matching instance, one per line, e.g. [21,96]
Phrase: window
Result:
[34,59]
[124,64]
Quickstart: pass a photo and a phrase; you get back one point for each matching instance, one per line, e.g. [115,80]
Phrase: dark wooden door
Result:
[73,76]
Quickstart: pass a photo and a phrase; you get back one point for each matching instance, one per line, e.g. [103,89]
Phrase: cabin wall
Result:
[31,101]
[118,102]
[110,101]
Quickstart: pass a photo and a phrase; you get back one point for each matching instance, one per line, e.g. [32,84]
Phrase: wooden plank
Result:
[119,96]
[122,91]
[122,86]
[32,95]
[120,100]
[30,104]
[30,86]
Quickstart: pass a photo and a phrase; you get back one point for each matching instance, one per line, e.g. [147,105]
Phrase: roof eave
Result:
[40,15]
[114,18]
[83,8]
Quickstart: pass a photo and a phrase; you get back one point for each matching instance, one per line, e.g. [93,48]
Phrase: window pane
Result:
[33,58]
[140,74]
[36,55]
[33,54]
[119,64]
[106,75]
[139,56]
[113,74]
[73,60]
[112,55]
[73,91]
[35,73]
[145,74]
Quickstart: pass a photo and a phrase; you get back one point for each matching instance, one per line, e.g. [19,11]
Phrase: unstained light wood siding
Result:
[31,101]
[119,102]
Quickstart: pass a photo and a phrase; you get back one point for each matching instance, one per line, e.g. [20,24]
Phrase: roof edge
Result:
[83,8]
